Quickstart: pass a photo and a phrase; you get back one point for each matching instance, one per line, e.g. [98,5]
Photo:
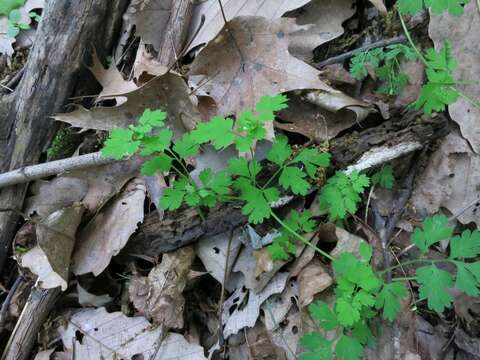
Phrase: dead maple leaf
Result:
[250,59]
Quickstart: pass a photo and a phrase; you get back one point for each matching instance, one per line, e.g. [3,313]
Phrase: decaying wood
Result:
[35,312]
[182,227]
[67,30]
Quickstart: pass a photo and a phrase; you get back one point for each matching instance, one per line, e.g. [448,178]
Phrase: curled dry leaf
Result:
[108,232]
[380,5]
[346,242]
[44,355]
[277,306]
[88,299]
[321,115]
[112,336]
[235,317]
[269,9]
[168,93]
[250,58]
[465,44]
[160,295]
[452,190]
[313,279]
[111,79]
[50,259]
[53,195]
[6,42]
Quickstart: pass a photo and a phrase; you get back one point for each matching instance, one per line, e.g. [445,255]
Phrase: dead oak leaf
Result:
[250,59]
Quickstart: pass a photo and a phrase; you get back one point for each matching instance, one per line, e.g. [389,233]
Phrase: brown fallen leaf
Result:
[312,280]
[260,345]
[269,9]
[347,242]
[250,58]
[277,306]
[453,191]
[465,45]
[50,259]
[159,296]
[321,116]
[108,232]
[53,195]
[168,93]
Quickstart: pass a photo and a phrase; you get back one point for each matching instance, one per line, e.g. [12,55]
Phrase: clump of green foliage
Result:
[385,62]
[15,25]
[440,88]
[64,144]
[362,293]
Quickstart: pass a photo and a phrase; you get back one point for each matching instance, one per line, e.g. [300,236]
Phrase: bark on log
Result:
[67,30]
[184,226]
[34,314]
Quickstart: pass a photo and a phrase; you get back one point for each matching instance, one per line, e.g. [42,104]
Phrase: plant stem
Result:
[409,38]
[272,177]
[299,237]
[467,98]
[414,261]
[405,278]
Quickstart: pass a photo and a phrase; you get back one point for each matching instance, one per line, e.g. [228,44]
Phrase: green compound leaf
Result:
[244,168]
[157,143]
[341,194]
[410,7]
[312,159]
[219,183]
[161,163]
[348,348]
[280,151]
[321,312]
[321,348]
[293,178]
[434,285]
[257,202]
[173,196]
[6,6]
[468,278]
[186,146]
[435,229]
[347,313]
[348,267]
[119,144]
[465,246]
[268,105]
[388,299]
[366,251]
[454,7]
[384,177]
[362,333]
[218,130]
[152,119]
[250,124]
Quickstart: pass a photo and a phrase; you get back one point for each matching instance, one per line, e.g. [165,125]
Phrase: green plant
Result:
[14,24]
[6,6]
[384,177]
[362,293]
[412,7]
[385,62]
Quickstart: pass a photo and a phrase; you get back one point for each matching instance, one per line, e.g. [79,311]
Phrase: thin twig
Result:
[347,55]
[8,299]
[222,294]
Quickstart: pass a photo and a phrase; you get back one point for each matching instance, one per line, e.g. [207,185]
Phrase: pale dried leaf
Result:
[112,336]
[108,232]
[313,279]
[159,296]
[277,306]
[453,190]
[111,79]
[168,93]
[465,44]
[235,318]
[44,355]
[379,4]
[347,242]
[146,62]
[270,9]
[236,74]
[50,259]
[212,250]
[288,335]
[50,196]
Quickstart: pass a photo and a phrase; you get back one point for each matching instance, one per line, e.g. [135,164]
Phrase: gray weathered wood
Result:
[67,30]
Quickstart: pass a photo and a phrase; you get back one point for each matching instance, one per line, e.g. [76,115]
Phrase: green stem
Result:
[414,261]
[405,278]
[467,98]
[272,177]
[409,38]
[299,237]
